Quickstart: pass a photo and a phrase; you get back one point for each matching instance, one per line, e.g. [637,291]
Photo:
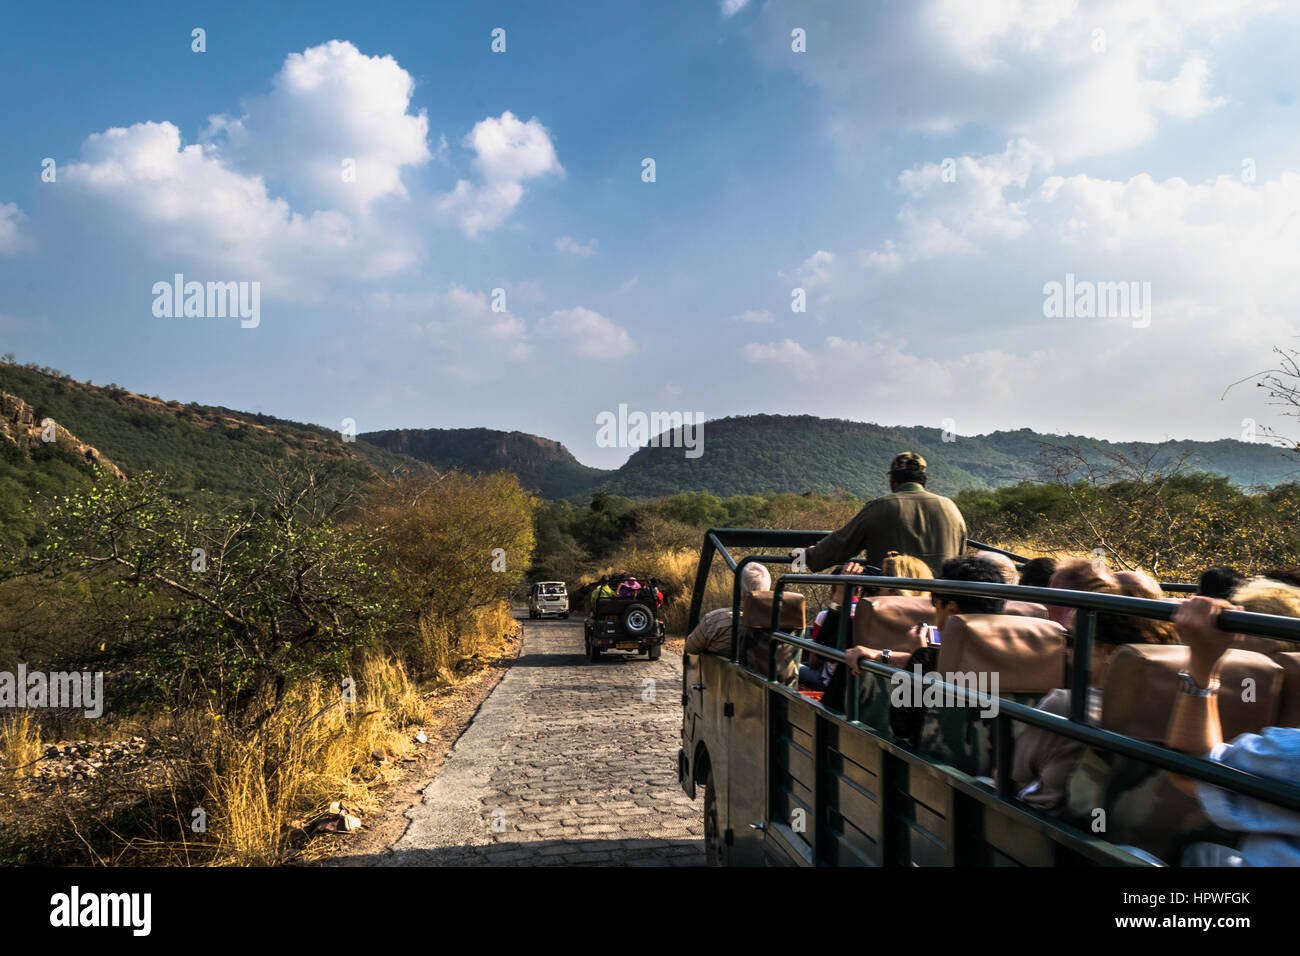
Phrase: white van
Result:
[548,597]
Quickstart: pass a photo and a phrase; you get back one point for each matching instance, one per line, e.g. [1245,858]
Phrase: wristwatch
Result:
[1192,689]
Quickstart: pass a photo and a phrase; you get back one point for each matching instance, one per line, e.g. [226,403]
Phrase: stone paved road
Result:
[572,763]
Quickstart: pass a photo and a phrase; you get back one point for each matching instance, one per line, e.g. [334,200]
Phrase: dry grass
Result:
[257,789]
[20,744]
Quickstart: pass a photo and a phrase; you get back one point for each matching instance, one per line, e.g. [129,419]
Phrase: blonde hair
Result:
[898,565]
[1265,596]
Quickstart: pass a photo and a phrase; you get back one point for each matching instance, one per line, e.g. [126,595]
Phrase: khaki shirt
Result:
[910,521]
[712,635]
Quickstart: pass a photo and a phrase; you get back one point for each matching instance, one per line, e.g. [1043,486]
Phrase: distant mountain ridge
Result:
[210,449]
[758,454]
[543,465]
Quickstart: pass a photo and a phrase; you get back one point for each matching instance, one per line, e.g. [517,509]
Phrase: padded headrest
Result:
[1142,683]
[1238,715]
[885,623]
[1025,609]
[1027,653]
[1288,712]
[756,610]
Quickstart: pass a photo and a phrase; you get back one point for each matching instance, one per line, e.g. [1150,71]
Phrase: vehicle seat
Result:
[1025,609]
[756,611]
[1027,653]
[1142,684]
[1288,712]
[885,623]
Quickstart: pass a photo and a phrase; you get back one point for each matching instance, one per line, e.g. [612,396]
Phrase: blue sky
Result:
[921,171]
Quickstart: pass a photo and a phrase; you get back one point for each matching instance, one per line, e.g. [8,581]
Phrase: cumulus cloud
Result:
[335,128]
[508,153]
[184,203]
[574,248]
[11,217]
[1077,78]
[967,275]
[588,333]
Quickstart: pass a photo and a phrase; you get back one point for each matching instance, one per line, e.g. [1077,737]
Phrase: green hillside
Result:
[757,454]
[543,465]
[203,449]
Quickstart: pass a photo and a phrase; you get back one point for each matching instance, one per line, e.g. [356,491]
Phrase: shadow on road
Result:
[630,852]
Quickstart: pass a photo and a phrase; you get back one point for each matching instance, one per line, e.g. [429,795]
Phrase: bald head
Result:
[1005,566]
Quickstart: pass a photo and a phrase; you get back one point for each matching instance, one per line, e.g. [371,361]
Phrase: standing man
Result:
[909,520]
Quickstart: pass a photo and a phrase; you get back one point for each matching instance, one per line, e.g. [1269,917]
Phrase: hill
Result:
[204,449]
[543,465]
[757,454]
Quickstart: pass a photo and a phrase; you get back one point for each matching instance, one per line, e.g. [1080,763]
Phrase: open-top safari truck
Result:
[792,779]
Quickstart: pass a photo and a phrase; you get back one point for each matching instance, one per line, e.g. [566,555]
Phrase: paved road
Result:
[567,762]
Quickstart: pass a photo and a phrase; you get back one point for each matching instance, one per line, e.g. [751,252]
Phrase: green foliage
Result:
[227,610]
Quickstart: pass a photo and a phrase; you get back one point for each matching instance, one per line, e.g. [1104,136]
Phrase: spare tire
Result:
[638,620]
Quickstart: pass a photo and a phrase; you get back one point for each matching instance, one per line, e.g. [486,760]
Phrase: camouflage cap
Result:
[908,461]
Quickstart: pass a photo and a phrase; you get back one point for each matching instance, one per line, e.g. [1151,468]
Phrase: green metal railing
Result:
[1088,603]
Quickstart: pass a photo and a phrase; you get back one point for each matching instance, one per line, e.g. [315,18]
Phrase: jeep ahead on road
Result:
[626,623]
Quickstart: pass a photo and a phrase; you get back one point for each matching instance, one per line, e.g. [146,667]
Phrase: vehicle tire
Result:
[565,615]
[638,620]
[715,851]
[593,652]
[654,651]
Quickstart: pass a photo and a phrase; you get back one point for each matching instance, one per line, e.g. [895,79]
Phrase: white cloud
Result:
[756,316]
[786,356]
[508,154]
[11,217]
[575,248]
[815,271]
[329,104]
[183,204]
[1023,68]
[588,333]
[732,7]
[474,309]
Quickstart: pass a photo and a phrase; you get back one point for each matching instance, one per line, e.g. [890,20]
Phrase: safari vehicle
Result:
[792,780]
[548,597]
[627,623]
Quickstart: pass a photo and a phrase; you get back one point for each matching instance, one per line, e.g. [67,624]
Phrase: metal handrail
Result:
[1089,603]
[1265,788]
[716,541]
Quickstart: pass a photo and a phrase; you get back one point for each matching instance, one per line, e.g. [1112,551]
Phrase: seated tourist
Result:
[1219,582]
[898,565]
[967,568]
[601,592]
[1006,567]
[1079,574]
[713,634]
[1270,834]
[1037,572]
[630,588]
[1043,761]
